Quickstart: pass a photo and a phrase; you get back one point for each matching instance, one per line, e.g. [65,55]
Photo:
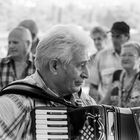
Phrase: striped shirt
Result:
[15,119]
[8,72]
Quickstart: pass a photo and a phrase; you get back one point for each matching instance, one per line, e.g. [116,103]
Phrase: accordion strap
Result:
[33,91]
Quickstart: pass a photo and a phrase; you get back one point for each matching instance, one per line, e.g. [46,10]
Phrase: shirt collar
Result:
[30,59]
[7,60]
[40,82]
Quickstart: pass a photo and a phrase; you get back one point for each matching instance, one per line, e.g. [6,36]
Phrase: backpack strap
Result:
[33,91]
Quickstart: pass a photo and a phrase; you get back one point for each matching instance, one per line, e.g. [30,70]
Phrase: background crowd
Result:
[120,54]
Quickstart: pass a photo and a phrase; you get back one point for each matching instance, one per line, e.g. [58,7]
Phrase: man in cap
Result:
[120,34]
[107,61]
[32,27]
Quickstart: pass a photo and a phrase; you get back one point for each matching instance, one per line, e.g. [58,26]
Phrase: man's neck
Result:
[118,52]
[21,59]
[48,85]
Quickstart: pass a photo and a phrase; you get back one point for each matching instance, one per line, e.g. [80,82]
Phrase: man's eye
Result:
[15,42]
[127,55]
[130,55]
[123,55]
[83,65]
[9,42]
[116,36]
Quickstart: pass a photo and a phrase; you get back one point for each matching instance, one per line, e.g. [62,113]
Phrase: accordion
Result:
[99,122]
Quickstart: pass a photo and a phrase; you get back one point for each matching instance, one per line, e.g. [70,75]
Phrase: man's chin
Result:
[13,56]
[73,90]
[77,89]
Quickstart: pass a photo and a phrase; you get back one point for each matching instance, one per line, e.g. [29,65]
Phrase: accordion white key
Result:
[51,123]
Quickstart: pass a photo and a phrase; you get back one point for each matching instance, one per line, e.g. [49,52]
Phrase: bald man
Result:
[19,63]
[32,27]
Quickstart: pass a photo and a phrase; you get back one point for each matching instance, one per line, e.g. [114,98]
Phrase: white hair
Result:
[133,44]
[61,42]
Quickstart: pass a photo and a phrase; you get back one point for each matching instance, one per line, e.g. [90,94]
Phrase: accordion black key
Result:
[97,122]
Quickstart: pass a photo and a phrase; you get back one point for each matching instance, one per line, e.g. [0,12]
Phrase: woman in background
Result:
[125,88]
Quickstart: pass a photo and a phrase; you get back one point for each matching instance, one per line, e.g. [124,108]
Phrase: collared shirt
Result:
[8,72]
[15,119]
[38,81]
[106,62]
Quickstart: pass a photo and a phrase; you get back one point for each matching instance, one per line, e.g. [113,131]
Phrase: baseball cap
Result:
[120,28]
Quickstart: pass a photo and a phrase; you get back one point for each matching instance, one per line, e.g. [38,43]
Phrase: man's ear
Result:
[53,65]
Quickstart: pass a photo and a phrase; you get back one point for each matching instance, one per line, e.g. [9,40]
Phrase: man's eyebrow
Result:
[84,61]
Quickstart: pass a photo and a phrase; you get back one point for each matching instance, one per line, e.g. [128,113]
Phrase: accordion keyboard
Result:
[51,124]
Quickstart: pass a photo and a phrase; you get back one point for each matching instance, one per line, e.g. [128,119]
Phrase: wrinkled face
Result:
[99,40]
[129,57]
[72,76]
[17,46]
[118,40]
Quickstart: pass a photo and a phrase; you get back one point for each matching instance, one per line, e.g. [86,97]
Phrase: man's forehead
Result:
[81,57]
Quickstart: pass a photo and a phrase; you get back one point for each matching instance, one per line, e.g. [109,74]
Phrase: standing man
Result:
[108,60]
[61,69]
[19,63]
[32,27]
[99,37]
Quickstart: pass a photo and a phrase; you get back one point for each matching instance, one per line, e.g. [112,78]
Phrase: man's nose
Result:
[96,41]
[85,73]
[11,45]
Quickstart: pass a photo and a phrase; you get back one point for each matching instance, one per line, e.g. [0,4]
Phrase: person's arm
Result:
[93,92]
[112,87]
[95,79]
[107,98]
[12,117]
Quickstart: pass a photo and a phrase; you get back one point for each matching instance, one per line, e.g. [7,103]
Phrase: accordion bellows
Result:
[97,122]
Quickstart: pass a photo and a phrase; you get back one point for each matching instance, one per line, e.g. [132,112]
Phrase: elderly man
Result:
[61,69]
[19,63]
[32,26]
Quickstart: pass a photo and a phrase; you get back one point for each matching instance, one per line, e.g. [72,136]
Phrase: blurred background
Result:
[87,13]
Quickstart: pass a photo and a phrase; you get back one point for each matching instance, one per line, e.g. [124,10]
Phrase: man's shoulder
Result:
[104,53]
[29,79]
[14,100]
